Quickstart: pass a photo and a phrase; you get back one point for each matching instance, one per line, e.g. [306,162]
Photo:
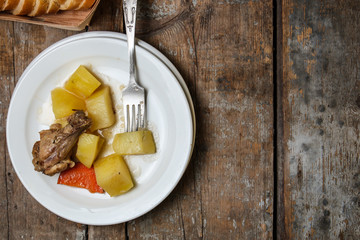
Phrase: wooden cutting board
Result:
[70,20]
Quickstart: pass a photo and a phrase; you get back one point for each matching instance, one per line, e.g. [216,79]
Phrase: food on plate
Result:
[134,143]
[80,176]
[100,109]
[62,121]
[35,8]
[82,83]
[65,103]
[112,174]
[84,128]
[52,154]
[88,147]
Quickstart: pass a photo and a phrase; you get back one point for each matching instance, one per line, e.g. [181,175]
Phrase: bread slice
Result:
[2,2]
[40,8]
[70,4]
[24,7]
[53,7]
[85,4]
[9,5]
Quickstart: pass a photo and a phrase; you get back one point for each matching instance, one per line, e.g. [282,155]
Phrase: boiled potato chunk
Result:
[100,109]
[112,174]
[88,148]
[65,103]
[82,83]
[133,143]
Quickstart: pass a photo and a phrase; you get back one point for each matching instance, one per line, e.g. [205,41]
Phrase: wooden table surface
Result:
[276,90]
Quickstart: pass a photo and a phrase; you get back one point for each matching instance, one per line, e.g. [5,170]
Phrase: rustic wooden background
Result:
[276,90]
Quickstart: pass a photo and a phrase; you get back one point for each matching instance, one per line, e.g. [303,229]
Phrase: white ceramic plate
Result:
[170,109]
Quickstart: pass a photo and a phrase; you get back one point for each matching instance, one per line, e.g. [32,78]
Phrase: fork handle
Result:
[129,8]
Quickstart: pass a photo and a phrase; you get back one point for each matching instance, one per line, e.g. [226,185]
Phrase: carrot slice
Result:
[80,176]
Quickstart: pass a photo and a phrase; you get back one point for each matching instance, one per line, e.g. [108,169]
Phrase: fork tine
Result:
[138,117]
[142,115]
[126,118]
[133,118]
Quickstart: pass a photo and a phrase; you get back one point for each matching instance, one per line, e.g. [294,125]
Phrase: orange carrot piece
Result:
[80,176]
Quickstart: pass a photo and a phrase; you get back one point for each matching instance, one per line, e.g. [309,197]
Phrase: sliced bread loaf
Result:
[23,7]
[85,4]
[40,8]
[70,4]
[9,5]
[53,7]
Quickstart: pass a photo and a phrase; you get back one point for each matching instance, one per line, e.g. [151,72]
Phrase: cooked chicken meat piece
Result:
[52,153]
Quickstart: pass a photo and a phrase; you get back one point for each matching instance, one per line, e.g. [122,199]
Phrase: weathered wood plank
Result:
[234,92]
[279,220]
[228,189]
[108,17]
[6,86]
[320,103]
[115,232]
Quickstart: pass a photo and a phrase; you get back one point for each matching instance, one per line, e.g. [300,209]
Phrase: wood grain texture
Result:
[7,83]
[223,49]
[320,103]
[108,17]
[234,92]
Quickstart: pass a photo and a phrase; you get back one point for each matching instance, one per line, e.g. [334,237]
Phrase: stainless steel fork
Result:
[133,95]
